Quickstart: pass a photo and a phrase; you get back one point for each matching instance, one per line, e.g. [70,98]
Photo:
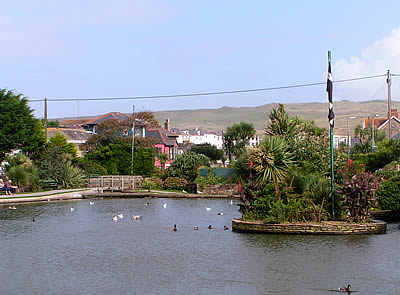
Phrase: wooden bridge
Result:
[116,183]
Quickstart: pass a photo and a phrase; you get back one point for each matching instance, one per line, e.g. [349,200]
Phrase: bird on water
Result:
[345,289]
[175,229]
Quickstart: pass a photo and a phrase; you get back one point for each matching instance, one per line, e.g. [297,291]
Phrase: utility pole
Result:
[45,117]
[389,83]
[133,135]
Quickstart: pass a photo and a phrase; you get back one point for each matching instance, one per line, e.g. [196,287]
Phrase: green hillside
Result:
[219,119]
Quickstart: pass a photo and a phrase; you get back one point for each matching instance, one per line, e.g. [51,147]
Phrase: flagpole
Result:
[331,138]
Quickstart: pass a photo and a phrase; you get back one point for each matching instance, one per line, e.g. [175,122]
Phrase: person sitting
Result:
[9,188]
[2,187]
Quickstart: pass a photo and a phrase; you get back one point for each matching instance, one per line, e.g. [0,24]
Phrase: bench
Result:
[49,184]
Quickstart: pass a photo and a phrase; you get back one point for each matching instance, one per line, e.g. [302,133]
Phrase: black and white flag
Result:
[329,89]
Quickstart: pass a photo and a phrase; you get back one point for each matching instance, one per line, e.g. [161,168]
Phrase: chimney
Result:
[166,124]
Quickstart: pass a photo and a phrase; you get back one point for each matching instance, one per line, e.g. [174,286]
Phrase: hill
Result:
[219,119]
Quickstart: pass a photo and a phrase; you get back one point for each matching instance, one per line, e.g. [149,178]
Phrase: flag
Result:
[329,89]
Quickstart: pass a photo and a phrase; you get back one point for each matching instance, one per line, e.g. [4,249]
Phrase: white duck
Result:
[208,208]
[115,218]
[164,205]
[91,203]
[136,217]
[121,216]
[72,209]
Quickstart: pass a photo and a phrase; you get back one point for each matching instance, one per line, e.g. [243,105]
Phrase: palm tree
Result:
[163,158]
[281,124]
[272,159]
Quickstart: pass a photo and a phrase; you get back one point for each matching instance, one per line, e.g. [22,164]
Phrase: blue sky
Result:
[124,48]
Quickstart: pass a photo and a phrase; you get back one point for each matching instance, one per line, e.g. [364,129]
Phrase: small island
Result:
[288,188]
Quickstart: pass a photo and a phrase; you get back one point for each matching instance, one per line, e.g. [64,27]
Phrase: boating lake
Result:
[84,252]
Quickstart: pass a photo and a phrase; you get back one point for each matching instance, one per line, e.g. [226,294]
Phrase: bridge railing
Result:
[117,183]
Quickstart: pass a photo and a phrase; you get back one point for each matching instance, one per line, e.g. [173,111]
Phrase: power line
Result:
[206,93]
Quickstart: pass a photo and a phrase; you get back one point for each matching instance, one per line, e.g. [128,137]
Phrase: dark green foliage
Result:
[114,157]
[237,137]
[18,128]
[388,194]
[186,165]
[242,166]
[53,124]
[61,140]
[175,183]
[143,161]
[208,150]
[89,167]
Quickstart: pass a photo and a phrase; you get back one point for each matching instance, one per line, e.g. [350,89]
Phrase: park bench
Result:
[49,184]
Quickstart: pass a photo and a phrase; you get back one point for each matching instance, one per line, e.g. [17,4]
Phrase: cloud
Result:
[376,59]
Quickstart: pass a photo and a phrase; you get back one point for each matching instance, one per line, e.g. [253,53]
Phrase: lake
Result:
[84,252]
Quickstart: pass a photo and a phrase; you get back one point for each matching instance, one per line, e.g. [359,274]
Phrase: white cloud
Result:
[376,59]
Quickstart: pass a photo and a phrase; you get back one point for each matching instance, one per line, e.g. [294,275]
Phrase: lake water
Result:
[85,252]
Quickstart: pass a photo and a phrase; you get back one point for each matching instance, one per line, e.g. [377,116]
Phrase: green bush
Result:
[90,167]
[71,177]
[209,179]
[186,165]
[388,194]
[175,183]
[152,183]
[260,208]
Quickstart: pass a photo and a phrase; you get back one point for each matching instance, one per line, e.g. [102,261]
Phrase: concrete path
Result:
[54,195]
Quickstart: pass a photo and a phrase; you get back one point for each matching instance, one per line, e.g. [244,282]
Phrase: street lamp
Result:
[373,138]
[348,139]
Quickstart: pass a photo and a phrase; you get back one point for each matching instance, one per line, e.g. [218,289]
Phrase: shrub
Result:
[186,165]
[175,183]
[388,194]
[71,177]
[152,183]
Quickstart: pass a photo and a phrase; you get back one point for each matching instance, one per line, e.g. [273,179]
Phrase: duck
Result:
[12,208]
[175,229]
[120,216]
[345,289]
[183,191]
[231,202]
[164,205]
[226,228]
[115,218]
[72,209]
[220,213]
[195,228]
[199,192]
[210,227]
[147,204]
[33,219]
[91,203]
[136,217]
[208,208]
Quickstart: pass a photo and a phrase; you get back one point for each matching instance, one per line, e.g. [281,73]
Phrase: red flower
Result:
[361,165]
[350,162]
[251,164]
[340,171]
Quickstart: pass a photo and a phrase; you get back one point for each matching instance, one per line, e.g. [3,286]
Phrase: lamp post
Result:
[373,138]
[348,139]
[133,142]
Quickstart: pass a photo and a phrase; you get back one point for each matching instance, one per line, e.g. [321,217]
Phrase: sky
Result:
[126,48]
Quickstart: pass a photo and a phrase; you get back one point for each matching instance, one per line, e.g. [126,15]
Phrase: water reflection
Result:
[84,251]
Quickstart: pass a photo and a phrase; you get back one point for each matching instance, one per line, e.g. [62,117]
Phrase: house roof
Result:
[387,121]
[72,123]
[70,133]
[113,115]
[163,136]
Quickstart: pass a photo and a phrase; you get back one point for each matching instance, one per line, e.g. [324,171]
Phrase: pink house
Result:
[166,144]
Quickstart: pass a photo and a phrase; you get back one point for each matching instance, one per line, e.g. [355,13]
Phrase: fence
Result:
[118,183]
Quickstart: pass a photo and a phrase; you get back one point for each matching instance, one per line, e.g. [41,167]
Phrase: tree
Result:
[186,165]
[237,137]
[281,124]
[163,158]
[61,140]
[19,129]
[53,124]
[272,160]
[208,150]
